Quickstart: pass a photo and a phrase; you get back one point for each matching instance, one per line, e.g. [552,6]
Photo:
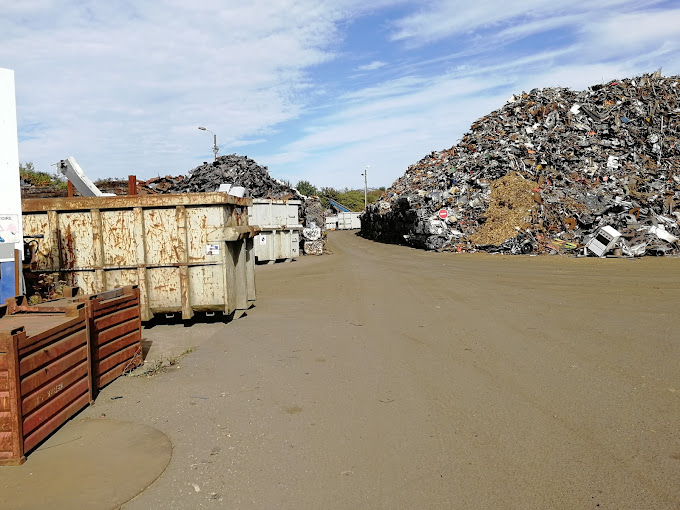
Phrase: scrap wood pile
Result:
[547,173]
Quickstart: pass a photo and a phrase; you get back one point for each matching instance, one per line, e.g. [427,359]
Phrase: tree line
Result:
[350,198]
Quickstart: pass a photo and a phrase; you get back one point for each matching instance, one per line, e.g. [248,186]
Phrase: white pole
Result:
[10,191]
[365,174]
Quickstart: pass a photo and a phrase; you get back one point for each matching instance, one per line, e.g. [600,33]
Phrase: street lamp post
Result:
[215,147]
[365,174]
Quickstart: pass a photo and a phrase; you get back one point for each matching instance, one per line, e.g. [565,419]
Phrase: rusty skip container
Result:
[44,373]
[186,252]
[115,331]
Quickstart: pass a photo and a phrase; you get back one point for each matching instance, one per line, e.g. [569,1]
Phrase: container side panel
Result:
[121,238]
[36,229]
[51,372]
[52,388]
[31,440]
[164,289]
[120,278]
[106,350]
[87,281]
[205,229]
[206,290]
[239,281]
[163,246]
[197,240]
[40,360]
[75,240]
[116,335]
[122,356]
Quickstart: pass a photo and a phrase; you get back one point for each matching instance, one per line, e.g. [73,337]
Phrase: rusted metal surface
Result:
[44,374]
[115,333]
[115,330]
[161,243]
[128,201]
[132,184]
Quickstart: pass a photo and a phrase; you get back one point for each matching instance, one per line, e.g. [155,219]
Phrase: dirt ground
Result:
[386,377]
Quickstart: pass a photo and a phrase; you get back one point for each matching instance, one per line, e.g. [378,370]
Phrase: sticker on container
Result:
[9,228]
[212,249]
[263,240]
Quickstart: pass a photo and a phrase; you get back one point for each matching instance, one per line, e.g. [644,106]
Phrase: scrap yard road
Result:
[382,377]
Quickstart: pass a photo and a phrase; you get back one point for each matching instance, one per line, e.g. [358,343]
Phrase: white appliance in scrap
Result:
[603,240]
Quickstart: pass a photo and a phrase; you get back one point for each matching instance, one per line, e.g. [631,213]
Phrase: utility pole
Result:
[365,174]
[215,147]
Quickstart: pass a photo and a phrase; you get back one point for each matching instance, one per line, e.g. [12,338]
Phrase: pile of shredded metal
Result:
[545,172]
[238,171]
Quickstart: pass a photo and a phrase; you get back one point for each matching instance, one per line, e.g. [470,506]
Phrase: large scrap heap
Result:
[236,170]
[545,172]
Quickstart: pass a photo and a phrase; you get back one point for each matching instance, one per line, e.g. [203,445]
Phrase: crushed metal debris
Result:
[546,173]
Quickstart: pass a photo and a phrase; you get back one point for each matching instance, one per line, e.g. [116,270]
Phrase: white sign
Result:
[212,249]
[263,240]
[9,228]
[10,190]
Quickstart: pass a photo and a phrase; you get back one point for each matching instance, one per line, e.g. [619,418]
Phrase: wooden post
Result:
[69,188]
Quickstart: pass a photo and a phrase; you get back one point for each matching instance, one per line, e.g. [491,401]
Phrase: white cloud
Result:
[629,34]
[443,18]
[376,64]
[396,122]
[124,88]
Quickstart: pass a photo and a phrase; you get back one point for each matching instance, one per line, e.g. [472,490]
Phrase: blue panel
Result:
[6,281]
[338,205]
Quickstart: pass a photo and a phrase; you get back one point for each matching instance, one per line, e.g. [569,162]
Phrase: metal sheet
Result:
[270,213]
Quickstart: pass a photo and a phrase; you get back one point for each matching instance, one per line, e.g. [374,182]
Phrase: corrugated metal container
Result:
[279,238]
[349,220]
[115,331]
[274,214]
[186,252]
[331,222]
[44,373]
[281,244]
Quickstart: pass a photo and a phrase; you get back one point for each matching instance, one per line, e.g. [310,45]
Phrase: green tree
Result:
[307,188]
[28,173]
[354,199]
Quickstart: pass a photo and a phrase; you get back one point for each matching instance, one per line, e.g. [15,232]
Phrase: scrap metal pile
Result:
[547,173]
[238,171]
[313,235]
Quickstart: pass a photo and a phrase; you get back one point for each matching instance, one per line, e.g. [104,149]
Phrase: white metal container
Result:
[273,214]
[272,245]
[186,252]
[279,237]
[349,221]
[331,222]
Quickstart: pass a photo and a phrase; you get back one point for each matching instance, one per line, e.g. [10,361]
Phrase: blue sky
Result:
[315,90]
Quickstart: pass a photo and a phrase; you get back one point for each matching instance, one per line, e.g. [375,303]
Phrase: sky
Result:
[315,90]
